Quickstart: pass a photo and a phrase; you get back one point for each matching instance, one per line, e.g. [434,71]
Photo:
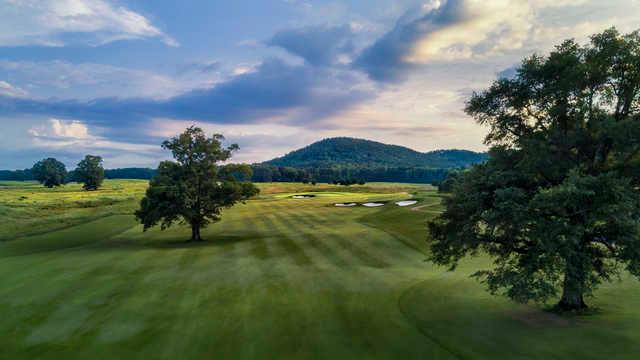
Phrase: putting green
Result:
[277,278]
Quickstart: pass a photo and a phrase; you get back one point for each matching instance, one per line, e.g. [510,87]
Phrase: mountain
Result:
[333,160]
[360,153]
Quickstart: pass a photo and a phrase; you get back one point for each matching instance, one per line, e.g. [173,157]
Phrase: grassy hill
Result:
[351,152]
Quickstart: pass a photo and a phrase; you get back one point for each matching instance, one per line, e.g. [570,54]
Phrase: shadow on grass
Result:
[569,314]
[222,240]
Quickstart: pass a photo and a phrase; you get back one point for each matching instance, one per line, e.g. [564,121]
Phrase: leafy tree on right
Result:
[557,205]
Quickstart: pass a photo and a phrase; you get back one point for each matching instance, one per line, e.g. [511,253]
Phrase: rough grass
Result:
[277,278]
[28,208]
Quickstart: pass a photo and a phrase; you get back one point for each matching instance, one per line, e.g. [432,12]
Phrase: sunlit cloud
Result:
[50,23]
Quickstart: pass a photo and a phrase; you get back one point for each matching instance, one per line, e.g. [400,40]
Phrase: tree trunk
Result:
[572,290]
[195,232]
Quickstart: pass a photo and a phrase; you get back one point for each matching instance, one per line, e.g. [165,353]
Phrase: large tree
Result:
[196,187]
[90,172]
[49,172]
[557,205]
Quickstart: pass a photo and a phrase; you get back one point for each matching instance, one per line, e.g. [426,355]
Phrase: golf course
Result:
[281,276]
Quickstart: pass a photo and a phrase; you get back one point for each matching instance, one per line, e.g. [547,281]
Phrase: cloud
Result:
[274,92]
[61,129]
[452,30]
[7,89]
[63,22]
[63,79]
[407,86]
[317,45]
[71,139]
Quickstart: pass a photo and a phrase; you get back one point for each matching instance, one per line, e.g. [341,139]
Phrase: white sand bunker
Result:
[303,196]
[346,204]
[406,202]
[371,204]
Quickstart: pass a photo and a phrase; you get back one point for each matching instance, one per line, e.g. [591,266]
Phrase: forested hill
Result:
[332,160]
[351,152]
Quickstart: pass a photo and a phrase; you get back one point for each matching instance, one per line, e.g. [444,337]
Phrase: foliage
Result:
[195,188]
[90,172]
[347,182]
[16,175]
[348,158]
[130,173]
[330,159]
[360,153]
[267,173]
[49,172]
[557,204]
[446,185]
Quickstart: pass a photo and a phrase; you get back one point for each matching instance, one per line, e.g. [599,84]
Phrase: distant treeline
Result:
[267,173]
[125,173]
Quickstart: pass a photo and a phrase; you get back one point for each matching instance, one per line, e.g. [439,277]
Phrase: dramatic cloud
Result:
[317,45]
[453,30]
[62,22]
[275,91]
[377,69]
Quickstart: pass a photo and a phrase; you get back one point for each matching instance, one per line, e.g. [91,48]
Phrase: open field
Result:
[277,278]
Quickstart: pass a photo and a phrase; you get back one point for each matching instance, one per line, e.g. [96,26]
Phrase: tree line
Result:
[269,173]
[121,173]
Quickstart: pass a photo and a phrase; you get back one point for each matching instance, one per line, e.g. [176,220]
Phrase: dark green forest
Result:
[359,153]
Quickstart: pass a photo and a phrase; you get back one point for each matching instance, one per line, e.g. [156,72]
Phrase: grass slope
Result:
[278,278]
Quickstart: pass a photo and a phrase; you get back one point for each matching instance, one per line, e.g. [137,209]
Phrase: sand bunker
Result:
[302,196]
[371,204]
[346,205]
[406,202]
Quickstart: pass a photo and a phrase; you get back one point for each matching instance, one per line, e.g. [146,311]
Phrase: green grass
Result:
[277,278]
[28,208]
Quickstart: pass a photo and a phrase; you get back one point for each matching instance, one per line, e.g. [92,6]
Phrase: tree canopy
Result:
[49,172]
[90,172]
[195,187]
[557,204]
[344,152]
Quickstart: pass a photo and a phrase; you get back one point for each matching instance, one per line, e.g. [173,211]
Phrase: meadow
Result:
[278,277]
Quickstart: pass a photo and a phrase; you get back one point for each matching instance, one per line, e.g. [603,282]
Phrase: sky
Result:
[117,77]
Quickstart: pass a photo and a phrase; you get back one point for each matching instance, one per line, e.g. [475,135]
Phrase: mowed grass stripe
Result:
[291,248]
[161,293]
[66,318]
[56,270]
[269,293]
[375,240]
[348,288]
[321,221]
[190,296]
[126,295]
[259,248]
[311,237]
